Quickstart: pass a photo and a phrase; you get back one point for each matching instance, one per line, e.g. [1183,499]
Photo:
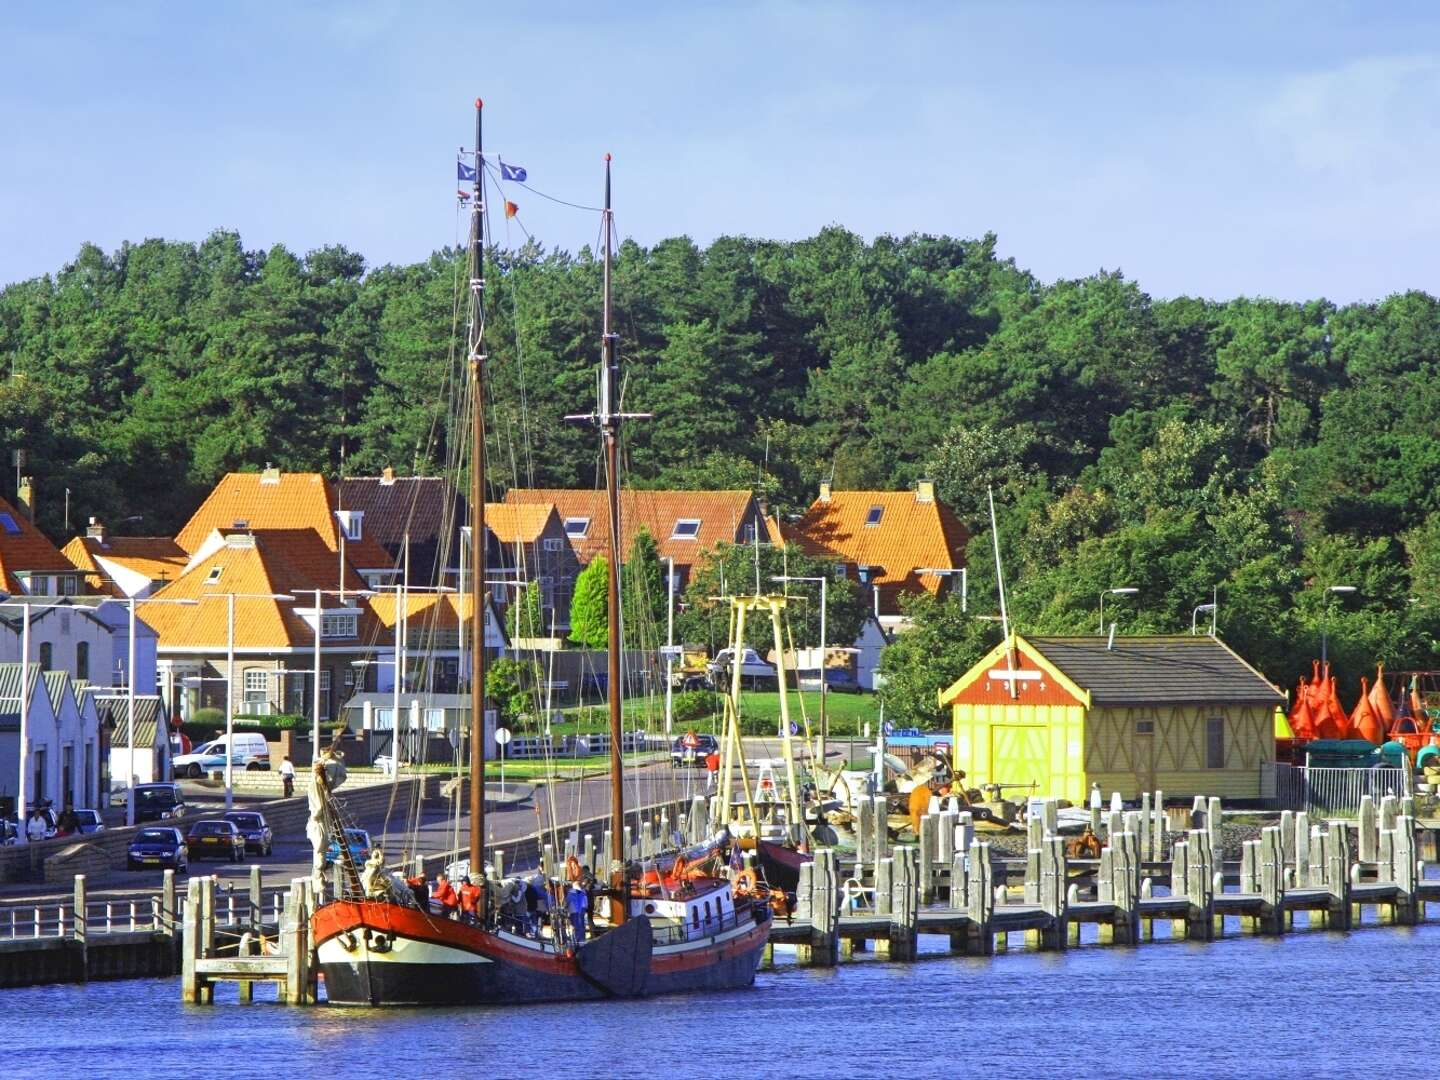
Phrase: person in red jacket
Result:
[444,895]
[469,900]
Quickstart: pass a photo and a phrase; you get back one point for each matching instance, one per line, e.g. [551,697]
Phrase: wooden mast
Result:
[476,352]
[610,434]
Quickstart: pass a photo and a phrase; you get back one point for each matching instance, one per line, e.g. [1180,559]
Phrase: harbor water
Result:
[1311,1004]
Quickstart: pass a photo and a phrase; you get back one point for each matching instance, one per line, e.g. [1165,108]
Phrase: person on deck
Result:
[469,900]
[444,895]
[577,903]
[421,890]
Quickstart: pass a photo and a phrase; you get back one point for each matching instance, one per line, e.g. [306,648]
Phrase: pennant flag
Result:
[464,172]
[512,172]
[511,209]
[464,196]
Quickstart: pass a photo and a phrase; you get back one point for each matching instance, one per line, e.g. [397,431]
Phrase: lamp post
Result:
[1342,590]
[230,599]
[130,699]
[1125,590]
[1194,618]
[669,644]
[960,571]
[824,717]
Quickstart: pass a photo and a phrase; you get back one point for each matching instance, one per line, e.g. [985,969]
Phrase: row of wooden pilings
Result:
[1330,869]
[258,953]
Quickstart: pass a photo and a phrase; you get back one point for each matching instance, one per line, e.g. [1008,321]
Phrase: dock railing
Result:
[1336,790]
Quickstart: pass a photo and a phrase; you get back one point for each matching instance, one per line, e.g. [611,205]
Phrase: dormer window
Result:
[873,517]
[351,521]
[686,529]
[577,527]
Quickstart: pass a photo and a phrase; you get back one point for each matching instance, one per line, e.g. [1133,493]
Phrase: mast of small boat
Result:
[609,419]
[476,351]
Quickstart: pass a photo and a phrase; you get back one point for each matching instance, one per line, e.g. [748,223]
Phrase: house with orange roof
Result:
[684,523]
[292,502]
[29,563]
[532,542]
[891,542]
[124,565]
[274,639]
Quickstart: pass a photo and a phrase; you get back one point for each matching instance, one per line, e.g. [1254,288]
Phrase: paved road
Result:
[521,810]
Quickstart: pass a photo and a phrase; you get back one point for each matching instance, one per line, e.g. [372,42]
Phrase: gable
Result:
[1039,682]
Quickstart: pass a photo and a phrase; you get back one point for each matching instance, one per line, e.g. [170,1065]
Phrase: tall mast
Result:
[610,433]
[476,352]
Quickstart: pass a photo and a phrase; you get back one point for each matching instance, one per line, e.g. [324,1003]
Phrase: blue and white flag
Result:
[464,172]
[512,172]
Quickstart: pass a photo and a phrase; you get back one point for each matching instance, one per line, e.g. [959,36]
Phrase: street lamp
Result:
[824,717]
[1126,590]
[230,599]
[130,698]
[1343,590]
[964,575]
[1194,617]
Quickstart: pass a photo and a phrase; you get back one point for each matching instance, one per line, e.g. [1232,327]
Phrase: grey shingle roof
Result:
[113,711]
[1156,670]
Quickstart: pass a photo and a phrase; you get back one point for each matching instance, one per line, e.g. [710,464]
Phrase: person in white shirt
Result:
[287,777]
[35,827]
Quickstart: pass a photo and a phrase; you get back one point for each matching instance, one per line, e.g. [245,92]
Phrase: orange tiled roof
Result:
[266,564]
[26,548]
[440,610]
[520,523]
[911,534]
[721,515]
[156,557]
[275,500]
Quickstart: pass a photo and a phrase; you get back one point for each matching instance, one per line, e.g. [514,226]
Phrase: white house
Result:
[152,737]
[42,780]
[86,638]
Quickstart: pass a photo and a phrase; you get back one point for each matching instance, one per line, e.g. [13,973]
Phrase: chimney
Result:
[925,491]
[26,495]
[271,475]
[387,476]
[96,530]
[825,491]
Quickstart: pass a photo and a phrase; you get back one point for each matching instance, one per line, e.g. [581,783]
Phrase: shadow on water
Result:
[1310,1004]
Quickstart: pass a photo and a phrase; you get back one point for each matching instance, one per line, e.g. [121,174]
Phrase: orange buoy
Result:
[1380,700]
[1363,721]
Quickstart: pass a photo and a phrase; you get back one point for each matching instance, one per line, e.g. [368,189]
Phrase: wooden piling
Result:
[1337,877]
[925,855]
[80,927]
[980,905]
[1369,836]
[1271,855]
[190,990]
[904,903]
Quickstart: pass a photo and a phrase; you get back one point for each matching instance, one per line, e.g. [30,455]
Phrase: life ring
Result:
[572,868]
[745,881]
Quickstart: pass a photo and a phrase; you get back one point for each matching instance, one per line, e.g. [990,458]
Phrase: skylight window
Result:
[873,517]
[686,529]
[214,575]
[8,523]
[577,527]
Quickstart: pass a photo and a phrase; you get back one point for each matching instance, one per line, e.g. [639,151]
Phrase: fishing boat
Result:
[687,928]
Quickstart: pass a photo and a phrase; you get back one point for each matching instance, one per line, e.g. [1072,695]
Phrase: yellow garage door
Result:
[1020,758]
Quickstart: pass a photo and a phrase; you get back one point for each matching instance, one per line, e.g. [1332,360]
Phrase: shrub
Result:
[207,718]
[694,705]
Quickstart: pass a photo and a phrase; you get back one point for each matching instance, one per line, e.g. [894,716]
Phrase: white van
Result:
[250,752]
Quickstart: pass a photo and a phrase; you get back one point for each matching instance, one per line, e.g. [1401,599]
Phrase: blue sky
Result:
[1281,149]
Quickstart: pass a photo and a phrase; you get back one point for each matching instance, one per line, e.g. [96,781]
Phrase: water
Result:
[1311,1004]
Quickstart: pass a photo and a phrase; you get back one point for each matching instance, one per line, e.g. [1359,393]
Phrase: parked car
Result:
[250,752]
[216,837]
[252,826]
[691,750]
[357,840]
[158,845]
[158,802]
[838,680]
[90,822]
[754,672]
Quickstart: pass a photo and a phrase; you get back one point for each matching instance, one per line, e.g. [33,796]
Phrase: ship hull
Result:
[383,954]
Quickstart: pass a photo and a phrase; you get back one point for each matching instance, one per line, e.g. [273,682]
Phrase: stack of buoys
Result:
[1331,722]
[1365,724]
[1302,717]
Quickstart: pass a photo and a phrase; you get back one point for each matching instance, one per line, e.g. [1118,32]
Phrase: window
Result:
[214,575]
[47,655]
[353,523]
[747,534]
[686,529]
[865,574]
[64,624]
[339,626]
[873,517]
[8,523]
[1215,742]
[256,679]
[1144,727]
[552,544]
[577,527]
[82,660]
[839,571]
[69,585]
[434,719]
[325,711]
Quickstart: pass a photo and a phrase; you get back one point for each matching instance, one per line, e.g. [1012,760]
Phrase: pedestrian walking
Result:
[712,769]
[287,777]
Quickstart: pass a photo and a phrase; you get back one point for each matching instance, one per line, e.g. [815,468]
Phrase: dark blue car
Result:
[252,826]
[160,846]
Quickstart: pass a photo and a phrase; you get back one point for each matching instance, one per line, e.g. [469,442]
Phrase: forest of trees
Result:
[1262,449]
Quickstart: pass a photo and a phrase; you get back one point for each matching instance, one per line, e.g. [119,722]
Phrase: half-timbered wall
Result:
[1183,750]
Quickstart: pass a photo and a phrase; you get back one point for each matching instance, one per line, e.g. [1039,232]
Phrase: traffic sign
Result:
[502,735]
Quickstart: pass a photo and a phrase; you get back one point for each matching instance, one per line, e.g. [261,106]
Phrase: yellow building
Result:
[1053,715]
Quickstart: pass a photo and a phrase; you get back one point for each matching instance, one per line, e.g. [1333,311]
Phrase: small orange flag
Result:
[511,209]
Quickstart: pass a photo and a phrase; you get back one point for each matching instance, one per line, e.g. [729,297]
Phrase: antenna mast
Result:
[476,352]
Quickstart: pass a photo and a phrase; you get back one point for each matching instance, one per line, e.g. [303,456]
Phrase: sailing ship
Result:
[684,929]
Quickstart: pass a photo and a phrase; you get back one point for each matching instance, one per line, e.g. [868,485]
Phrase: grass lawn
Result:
[759,712]
[567,768]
